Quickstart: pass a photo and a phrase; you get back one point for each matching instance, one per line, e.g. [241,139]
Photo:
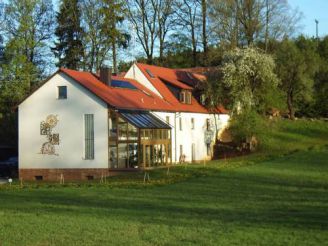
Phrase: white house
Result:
[79,125]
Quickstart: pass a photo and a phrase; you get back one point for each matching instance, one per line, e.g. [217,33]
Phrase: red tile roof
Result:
[167,73]
[138,99]
[121,98]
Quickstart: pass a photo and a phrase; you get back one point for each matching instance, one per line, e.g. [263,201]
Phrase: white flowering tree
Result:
[249,75]
[253,86]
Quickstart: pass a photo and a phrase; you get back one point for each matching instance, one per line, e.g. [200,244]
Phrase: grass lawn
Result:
[276,197]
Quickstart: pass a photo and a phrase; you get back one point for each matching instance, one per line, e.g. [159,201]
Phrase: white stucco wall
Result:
[135,73]
[70,127]
[189,136]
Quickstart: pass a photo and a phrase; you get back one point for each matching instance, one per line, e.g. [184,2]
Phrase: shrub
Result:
[245,125]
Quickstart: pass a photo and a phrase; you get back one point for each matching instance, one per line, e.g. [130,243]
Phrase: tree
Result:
[225,24]
[204,31]
[114,11]
[239,23]
[165,23]
[143,16]
[249,76]
[213,92]
[279,20]
[249,16]
[296,67]
[189,19]
[95,43]
[321,81]
[29,27]
[100,20]
[245,83]
[69,49]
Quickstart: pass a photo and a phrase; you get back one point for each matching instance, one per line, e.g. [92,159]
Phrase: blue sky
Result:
[312,9]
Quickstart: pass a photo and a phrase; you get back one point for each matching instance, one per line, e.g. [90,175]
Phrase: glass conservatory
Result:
[138,140]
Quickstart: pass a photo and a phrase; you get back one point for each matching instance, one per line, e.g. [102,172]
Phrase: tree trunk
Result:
[114,57]
[161,46]
[194,47]
[267,26]
[290,105]
[204,15]
[236,27]
[149,59]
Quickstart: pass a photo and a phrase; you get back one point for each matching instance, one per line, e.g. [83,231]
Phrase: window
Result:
[181,149]
[180,124]
[193,154]
[88,137]
[203,99]
[192,123]
[182,97]
[150,73]
[208,149]
[112,125]
[208,124]
[62,92]
[188,97]
[168,119]
[185,97]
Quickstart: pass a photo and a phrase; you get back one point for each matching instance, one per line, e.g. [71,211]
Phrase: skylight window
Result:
[150,73]
[122,84]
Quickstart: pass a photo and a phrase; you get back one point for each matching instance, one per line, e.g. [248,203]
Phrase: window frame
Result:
[89,138]
[182,97]
[208,124]
[168,120]
[59,96]
[188,97]
[180,124]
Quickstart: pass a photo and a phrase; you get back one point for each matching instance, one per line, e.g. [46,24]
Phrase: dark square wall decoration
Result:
[46,128]
[55,139]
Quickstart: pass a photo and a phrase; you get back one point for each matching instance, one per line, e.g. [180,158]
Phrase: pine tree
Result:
[113,11]
[69,48]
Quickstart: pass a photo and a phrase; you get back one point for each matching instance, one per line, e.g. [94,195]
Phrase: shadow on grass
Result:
[222,197]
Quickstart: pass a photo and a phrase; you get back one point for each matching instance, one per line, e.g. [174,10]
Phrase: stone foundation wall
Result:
[69,174]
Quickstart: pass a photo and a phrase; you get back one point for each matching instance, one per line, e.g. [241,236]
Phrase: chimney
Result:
[106,75]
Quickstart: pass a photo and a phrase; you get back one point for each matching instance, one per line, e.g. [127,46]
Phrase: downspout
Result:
[175,135]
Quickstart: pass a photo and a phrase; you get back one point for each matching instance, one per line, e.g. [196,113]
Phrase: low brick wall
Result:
[69,174]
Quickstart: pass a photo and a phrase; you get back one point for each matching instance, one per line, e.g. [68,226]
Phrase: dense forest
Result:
[87,34]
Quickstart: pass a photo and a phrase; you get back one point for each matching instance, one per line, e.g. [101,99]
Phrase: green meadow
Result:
[277,196]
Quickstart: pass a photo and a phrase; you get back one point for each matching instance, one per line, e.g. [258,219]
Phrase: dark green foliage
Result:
[320,104]
[28,26]
[297,64]
[245,125]
[68,48]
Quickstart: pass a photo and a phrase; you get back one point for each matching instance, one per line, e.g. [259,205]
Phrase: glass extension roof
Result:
[144,120]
